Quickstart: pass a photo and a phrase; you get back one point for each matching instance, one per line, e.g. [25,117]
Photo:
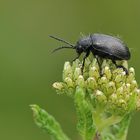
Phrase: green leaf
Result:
[47,122]
[85,124]
[121,129]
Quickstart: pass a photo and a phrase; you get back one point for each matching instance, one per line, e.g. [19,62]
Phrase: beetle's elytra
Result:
[100,45]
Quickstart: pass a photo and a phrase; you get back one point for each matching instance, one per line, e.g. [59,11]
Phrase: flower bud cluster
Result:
[111,88]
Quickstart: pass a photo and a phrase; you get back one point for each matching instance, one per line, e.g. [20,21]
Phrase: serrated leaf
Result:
[48,123]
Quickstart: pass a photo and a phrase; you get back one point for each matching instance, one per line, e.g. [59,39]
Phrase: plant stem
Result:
[109,121]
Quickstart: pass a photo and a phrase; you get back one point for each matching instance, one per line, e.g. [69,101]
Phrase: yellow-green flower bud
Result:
[94,72]
[100,97]
[103,80]
[80,81]
[119,92]
[91,83]
[131,75]
[122,104]
[103,84]
[110,88]
[107,72]
[120,79]
[77,73]
[113,98]
[133,84]
[67,71]
[69,82]
[76,64]
[58,85]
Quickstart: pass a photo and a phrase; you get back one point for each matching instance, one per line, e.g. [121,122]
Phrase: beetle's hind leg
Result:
[120,66]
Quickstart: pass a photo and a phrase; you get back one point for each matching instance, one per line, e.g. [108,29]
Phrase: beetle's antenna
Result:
[59,48]
[61,40]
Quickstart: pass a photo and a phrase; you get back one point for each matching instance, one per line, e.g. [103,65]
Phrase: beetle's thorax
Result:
[85,41]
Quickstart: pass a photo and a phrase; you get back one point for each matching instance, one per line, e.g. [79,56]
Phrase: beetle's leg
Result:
[76,57]
[120,66]
[99,64]
[87,54]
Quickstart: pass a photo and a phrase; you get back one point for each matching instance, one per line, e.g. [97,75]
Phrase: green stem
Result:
[97,115]
[109,121]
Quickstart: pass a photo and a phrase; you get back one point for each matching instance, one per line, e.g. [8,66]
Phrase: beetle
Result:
[101,46]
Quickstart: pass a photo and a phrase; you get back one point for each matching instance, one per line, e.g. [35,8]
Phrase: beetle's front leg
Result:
[76,57]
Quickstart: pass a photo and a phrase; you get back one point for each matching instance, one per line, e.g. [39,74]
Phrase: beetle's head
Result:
[83,44]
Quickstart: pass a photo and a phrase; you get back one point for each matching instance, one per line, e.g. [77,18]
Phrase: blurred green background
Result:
[28,69]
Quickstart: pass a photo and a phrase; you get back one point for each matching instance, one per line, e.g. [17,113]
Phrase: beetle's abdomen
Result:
[112,46]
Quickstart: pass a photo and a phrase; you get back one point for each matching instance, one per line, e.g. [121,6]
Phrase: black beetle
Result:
[101,45]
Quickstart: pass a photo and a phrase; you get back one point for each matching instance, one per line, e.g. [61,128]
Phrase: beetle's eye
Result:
[79,49]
